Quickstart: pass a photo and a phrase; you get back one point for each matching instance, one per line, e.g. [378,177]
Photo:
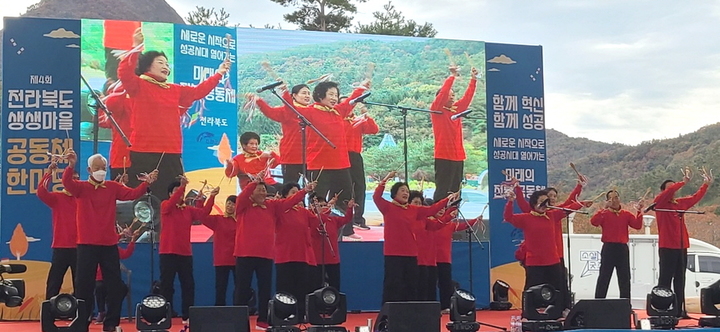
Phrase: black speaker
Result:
[600,314]
[213,319]
[408,316]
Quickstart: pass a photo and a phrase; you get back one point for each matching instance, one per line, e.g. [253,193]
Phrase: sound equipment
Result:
[408,316]
[600,314]
[214,319]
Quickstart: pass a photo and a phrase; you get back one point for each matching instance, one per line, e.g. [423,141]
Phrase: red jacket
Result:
[176,222]
[356,127]
[251,163]
[291,141]
[443,240]
[223,238]
[671,225]
[120,105]
[124,254]
[255,233]
[292,236]
[63,207]
[448,132]
[96,207]
[333,224]
[399,220]
[539,233]
[615,224]
[427,248]
[156,111]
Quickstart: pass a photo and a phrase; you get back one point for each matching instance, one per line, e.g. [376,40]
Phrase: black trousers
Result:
[170,167]
[244,269]
[222,274]
[401,279]
[291,172]
[427,283]
[614,256]
[170,265]
[101,294]
[62,259]
[88,258]
[673,263]
[333,181]
[448,177]
[445,284]
[293,278]
[357,176]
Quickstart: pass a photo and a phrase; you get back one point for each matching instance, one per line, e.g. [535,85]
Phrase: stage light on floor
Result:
[283,313]
[326,308]
[462,312]
[500,296]
[661,306]
[709,299]
[541,308]
[153,313]
[63,306]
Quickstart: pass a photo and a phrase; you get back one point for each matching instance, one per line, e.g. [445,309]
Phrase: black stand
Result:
[681,214]
[404,111]
[100,105]
[324,234]
[303,122]
[569,260]
[153,244]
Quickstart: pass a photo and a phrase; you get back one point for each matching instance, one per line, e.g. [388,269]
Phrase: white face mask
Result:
[99,175]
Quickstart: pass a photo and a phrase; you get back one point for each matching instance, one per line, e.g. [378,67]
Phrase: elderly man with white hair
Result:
[96,234]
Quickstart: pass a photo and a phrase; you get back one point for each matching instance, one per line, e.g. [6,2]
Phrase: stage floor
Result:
[499,318]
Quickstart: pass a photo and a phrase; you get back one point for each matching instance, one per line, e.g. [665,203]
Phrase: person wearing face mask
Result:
[615,254]
[251,162]
[254,241]
[400,248]
[291,142]
[64,243]
[96,232]
[449,149]
[157,107]
[175,248]
[223,227]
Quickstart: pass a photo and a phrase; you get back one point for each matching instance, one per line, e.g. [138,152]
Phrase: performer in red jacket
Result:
[223,227]
[673,235]
[64,243]
[400,247]
[449,149]
[615,254]
[443,242]
[356,128]
[175,248]
[254,239]
[157,107]
[96,231]
[326,248]
[252,161]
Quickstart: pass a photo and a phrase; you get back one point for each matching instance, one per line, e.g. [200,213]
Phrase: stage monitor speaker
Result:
[408,316]
[214,319]
[600,314]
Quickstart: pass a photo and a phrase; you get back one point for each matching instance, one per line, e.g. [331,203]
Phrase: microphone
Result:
[545,202]
[462,114]
[651,207]
[269,86]
[359,99]
[13,268]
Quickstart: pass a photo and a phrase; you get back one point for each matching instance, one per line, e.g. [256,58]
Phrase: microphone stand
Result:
[404,111]
[681,214]
[304,123]
[100,105]
[569,260]
[324,234]
[153,244]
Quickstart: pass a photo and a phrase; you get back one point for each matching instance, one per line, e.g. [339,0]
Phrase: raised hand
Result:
[474,72]
[351,203]
[183,180]
[454,70]
[152,177]
[310,186]
[389,176]
[71,157]
[138,37]
[224,66]
[215,191]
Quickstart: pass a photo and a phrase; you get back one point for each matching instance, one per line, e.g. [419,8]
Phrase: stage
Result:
[498,318]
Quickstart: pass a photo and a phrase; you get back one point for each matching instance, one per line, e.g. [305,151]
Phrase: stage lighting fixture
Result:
[153,313]
[709,298]
[63,306]
[662,308]
[462,312]
[541,308]
[326,308]
[283,313]
[500,296]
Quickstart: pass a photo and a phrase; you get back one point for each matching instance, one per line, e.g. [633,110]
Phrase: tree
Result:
[320,15]
[208,16]
[392,22]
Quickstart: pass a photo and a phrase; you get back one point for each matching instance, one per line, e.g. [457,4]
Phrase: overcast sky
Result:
[615,71]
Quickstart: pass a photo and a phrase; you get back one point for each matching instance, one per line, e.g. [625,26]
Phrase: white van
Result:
[703,268]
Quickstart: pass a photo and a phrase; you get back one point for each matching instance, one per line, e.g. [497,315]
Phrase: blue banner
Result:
[516,146]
